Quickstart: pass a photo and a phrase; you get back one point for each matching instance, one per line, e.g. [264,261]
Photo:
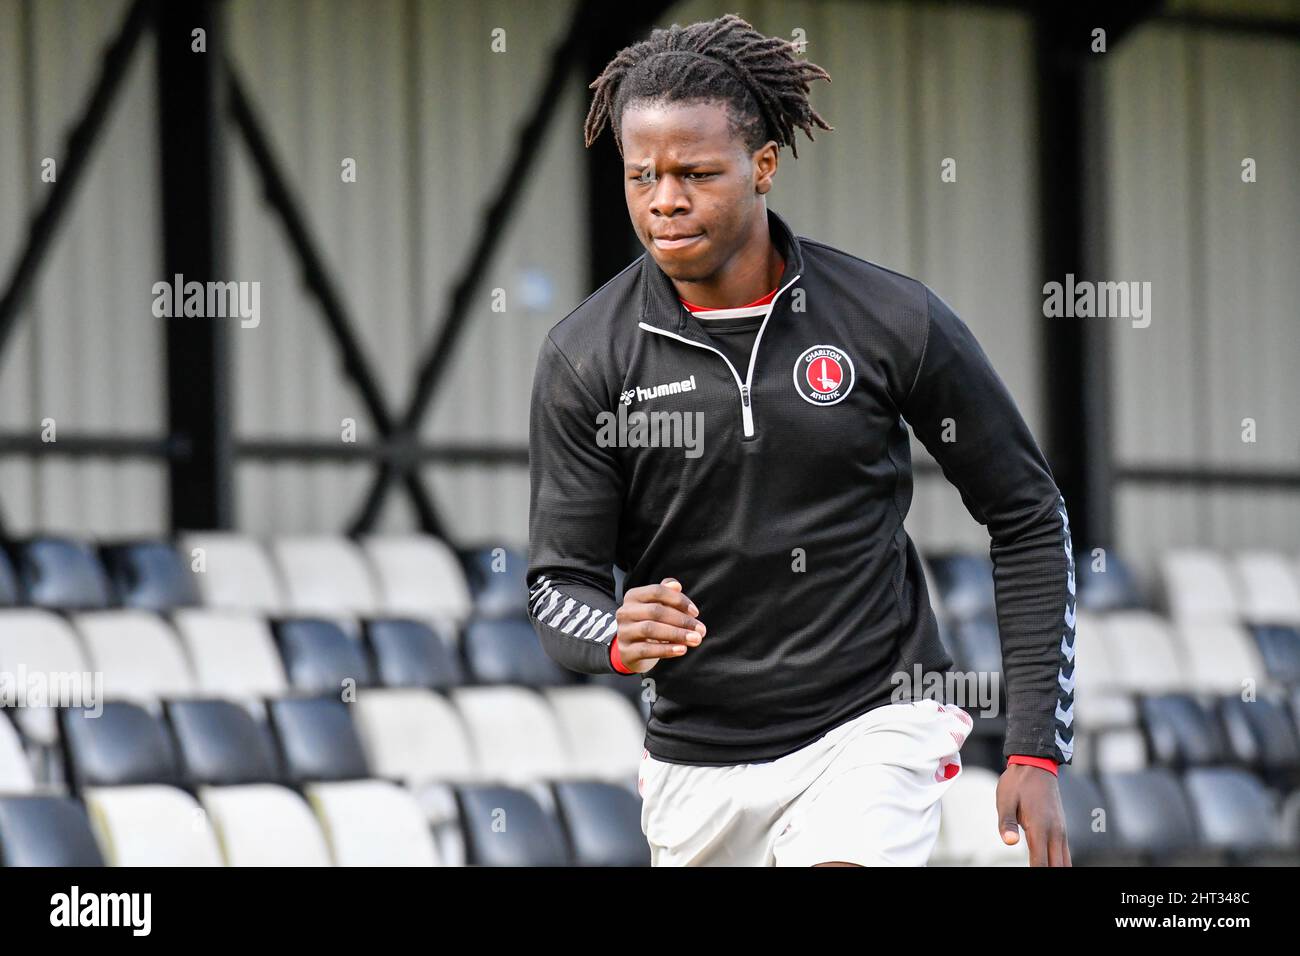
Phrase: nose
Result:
[668,198]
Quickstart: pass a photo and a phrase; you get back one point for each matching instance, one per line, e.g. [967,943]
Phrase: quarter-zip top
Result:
[789,537]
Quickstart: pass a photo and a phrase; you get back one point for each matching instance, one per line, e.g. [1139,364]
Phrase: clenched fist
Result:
[654,621]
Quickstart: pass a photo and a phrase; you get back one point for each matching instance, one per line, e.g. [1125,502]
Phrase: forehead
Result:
[672,130]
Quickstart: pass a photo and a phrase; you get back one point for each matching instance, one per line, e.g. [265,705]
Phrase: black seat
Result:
[124,745]
[10,594]
[497,581]
[1236,813]
[965,584]
[1261,733]
[1113,589]
[1279,646]
[62,574]
[507,651]
[1181,732]
[533,837]
[317,739]
[1150,814]
[46,831]
[319,656]
[221,744]
[1093,841]
[149,575]
[602,822]
[410,654]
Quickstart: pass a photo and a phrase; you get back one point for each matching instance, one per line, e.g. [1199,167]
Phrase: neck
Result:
[750,274]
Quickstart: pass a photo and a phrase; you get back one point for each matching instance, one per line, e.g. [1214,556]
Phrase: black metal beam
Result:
[192,161]
[80,445]
[81,141]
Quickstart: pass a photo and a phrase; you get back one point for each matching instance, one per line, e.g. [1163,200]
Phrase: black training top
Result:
[785,523]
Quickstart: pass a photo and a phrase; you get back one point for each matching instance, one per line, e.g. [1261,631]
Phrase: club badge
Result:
[823,375]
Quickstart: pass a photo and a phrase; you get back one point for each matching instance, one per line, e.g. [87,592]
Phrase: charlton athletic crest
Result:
[823,375]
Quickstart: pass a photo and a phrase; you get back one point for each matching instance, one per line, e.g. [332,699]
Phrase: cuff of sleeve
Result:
[615,659]
[1041,762]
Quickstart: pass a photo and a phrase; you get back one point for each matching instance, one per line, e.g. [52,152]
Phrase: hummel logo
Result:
[657,391]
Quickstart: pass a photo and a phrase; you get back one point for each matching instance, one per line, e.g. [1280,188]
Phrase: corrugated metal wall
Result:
[414,93]
[88,352]
[1187,106]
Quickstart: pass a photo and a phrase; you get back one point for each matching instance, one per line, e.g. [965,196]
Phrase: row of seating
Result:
[209,784]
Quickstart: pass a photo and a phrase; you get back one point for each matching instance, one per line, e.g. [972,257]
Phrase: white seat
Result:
[419,576]
[237,574]
[1100,696]
[1119,751]
[151,825]
[42,652]
[413,735]
[232,653]
[968,830]
[602,729]
[137,652]
[1221,656]
[264,825]
[515,734]
[1268,587]
[324,575]
[1145,657]
[372,823]
[1198,586]
[15,770]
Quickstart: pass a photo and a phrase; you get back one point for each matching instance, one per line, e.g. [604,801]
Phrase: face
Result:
[694,192]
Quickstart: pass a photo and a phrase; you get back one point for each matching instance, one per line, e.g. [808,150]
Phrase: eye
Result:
[646,176]
[702,175]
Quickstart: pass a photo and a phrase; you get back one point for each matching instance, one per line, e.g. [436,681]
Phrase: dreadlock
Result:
[764,85]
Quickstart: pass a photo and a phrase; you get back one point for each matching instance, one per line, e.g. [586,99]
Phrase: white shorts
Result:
[867,792]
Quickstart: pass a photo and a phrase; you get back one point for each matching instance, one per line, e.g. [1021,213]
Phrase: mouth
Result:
[677,241]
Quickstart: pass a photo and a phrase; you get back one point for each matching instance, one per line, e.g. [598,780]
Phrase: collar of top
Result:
[660,304]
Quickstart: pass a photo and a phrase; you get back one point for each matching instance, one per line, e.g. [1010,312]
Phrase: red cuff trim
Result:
[615,659]
[1043,762]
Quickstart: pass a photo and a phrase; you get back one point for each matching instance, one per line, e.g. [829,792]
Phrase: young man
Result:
[771,585]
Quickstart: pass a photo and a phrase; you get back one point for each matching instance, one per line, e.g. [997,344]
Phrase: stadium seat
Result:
[1102,702]
[152,825]
[1268,588]
[373,823]
[219,743]
[413,735]
[968,830]
[1279,649]
[62,574]
[149,575]
[324,575]
[138,654]
[507,651]
[515,734]
[1144,654]
[603,732]
[264,825]
[508,827]
[233,653]
[319,657]
[409,653]
[1113,589]
[36,642]
[602,822]
[124,745]
[1087,822]
[965,585]
[1182,732]
[497,580]
[10,593]
[1237,814]
[317,739]
[1220,656]
[1262,734]
[39,830]
[419,576]
[975,643]
[234,572]
[1151,815]
[1197,586]
[15,770]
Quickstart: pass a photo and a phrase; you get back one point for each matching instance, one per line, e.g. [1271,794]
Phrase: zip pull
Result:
[744,395]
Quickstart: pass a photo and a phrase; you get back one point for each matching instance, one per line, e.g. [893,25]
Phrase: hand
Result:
[1029,795]
[656,621]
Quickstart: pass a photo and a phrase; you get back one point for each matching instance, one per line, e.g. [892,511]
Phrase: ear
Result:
[766,159]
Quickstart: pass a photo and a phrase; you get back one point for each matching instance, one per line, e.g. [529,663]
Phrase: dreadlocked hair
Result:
[759,77]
